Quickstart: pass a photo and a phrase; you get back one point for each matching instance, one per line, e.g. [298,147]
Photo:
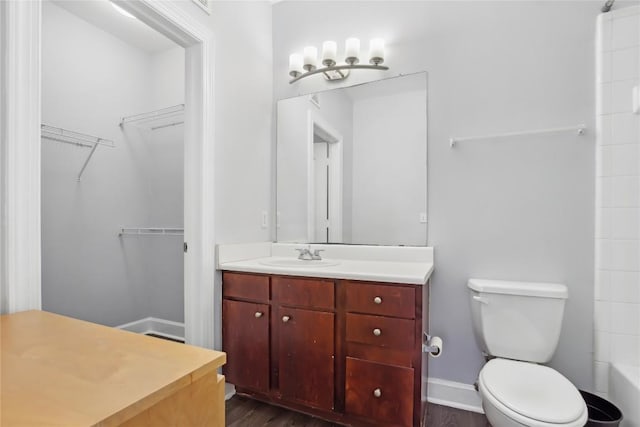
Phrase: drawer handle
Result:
[377,300]
[377,332]
[285,319]
[377,392]
[258,314]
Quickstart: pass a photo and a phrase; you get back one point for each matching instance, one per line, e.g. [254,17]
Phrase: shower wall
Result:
[617,284]
[90,80]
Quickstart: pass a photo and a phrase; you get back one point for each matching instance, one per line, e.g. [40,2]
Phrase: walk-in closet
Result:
[112,169]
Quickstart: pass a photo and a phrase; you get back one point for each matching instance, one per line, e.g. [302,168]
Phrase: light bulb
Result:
[352,50]
[329,53]
[295,64]
[310,58]
[376,51]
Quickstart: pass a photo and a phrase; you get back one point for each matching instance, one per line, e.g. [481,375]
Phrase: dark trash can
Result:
[602,413]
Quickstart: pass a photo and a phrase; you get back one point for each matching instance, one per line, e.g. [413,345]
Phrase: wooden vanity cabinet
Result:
[346,351]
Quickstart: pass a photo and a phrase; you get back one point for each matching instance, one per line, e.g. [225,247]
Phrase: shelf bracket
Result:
[86,162]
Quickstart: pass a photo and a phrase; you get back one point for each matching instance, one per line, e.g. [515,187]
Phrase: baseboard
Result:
[229,391]
[440,392]
[153,325]
[453,394]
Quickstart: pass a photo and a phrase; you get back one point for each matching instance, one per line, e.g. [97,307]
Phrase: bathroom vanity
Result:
[339,337]
[342,341]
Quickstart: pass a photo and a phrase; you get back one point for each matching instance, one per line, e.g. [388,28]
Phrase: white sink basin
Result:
[298,263]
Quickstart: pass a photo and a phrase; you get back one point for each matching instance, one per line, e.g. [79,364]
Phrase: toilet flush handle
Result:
[480,299]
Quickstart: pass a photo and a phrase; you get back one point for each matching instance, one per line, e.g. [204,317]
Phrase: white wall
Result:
[617,286]
[511,209]
[243,101]
[389,173]
[167,78]
[90,80]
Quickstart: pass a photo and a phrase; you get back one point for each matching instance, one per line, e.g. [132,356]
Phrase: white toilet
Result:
[519,324]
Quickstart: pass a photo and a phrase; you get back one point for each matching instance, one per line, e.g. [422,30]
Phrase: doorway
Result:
[112,168]
[21,121]
[325,197]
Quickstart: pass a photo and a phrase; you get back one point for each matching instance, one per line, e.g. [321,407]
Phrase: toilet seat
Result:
[533,395]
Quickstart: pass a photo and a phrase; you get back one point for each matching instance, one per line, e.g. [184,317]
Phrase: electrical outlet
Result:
[423,217]
[265,219]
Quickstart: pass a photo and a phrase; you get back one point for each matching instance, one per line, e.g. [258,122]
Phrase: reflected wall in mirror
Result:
[352,164]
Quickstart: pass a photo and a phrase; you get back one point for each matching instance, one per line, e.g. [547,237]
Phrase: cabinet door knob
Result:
[377,332]
[285,319]
[377,300]
[258,314]
[377,392]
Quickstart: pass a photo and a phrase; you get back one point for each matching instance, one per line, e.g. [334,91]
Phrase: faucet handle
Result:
[303,252]
[316,252]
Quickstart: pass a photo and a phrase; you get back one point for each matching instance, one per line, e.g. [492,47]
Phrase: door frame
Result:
[20,117]
[335,177]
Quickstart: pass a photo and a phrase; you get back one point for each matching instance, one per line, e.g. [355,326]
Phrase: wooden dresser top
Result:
[56,370]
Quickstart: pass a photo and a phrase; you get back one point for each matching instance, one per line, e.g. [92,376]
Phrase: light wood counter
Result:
[58,371]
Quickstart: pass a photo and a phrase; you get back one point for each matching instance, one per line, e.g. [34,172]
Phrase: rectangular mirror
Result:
[352,164]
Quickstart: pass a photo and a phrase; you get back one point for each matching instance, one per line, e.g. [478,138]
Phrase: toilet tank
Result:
[517,320]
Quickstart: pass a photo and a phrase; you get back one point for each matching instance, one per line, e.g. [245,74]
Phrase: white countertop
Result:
[378,264]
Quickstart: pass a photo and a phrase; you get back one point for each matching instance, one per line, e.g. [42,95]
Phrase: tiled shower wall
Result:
[617,292]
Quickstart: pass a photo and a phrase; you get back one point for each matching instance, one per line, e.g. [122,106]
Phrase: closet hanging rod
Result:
[154,115]
[151,231]
[579,129]
[70,137]
[167,125]
[75,138]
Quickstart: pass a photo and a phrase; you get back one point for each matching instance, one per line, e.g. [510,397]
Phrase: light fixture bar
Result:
[325,70]
[307,64]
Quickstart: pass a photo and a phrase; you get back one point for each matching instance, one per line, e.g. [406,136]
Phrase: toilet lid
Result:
[533,391]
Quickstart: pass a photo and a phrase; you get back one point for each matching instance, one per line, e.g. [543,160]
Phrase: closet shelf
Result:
[75,138]
[146,231]
[157,119]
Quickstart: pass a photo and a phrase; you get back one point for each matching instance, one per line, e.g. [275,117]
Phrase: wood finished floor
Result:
[244,412]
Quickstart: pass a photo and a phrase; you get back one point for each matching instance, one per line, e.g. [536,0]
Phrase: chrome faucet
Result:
[305,254]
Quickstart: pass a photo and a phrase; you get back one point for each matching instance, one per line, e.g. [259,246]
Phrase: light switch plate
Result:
[265,219]
[423,217]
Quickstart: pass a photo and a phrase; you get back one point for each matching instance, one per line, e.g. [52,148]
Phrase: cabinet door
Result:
[306,356]
[245,339]
[380,392]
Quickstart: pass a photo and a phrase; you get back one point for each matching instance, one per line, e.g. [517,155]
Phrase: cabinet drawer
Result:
[378,391]
[252,287]
[311,293]
[385,300]
[381,331]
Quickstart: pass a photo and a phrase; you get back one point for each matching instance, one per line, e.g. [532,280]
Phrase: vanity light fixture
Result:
[301,66]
